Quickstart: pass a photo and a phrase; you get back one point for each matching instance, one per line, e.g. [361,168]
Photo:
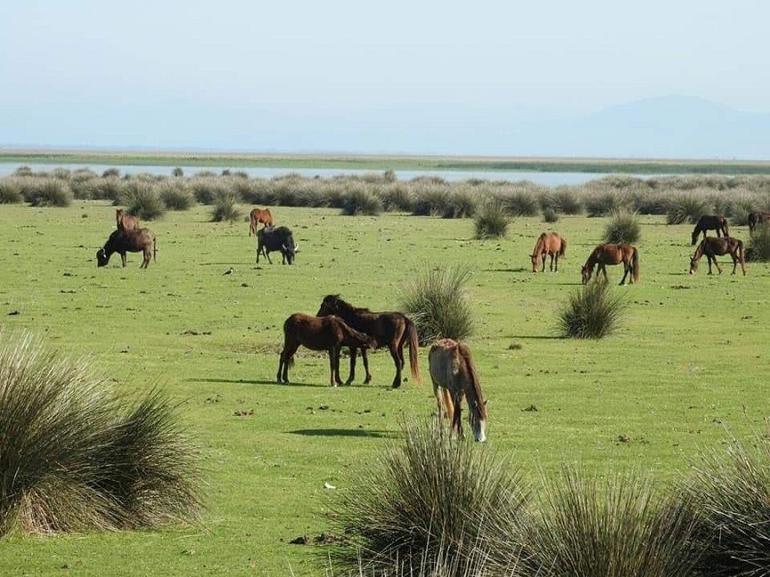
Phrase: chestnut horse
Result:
[390,328]
[454,376]
[258,215]
[713,247]
[757,218]
[613,254]
[548,244]
[706,222]
[126,221]
[318,334]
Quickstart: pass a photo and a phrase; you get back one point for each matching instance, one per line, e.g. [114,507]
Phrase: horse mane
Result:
[343,304]
[539,244]
[465,353]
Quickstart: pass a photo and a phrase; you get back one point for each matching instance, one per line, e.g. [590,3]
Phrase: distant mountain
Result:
[672,126]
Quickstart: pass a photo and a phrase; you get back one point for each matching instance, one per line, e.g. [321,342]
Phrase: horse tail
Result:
[563,248]
[635,264]
[411,332]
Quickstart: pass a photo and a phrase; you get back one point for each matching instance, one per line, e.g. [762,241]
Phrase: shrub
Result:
[623,228]
[759,246]
[461,204]
[111,173]
[520,203]
[614,528]
[23,170]
[206,190]
[592,312]
[602,203]
[439,305]
[567,201]
[74,456]
[176,195]
[549,215]
[685,208]
[10,191]
[47,192]
[433,498]
[397,197]
[225,207]
[731,493]
[178,172]
[141,199]
[361,201]
[431,202]
[491,221]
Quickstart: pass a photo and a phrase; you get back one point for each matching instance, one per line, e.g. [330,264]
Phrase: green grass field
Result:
[690,361]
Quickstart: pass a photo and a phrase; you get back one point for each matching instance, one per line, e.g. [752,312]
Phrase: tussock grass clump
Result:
[759,246]
[397,198]
[75,457]
[10,192]
[491,220]
[623,227]
[602,203]
[225,207]
[731,492]
[111,173]
[431,201]
[176,195]
[360,201]
[592,312]
[47,192]
[550,215]
[461,204]
[437,302]
[617,527]
[141,199]
[686,208]
[431,498]
[519,202]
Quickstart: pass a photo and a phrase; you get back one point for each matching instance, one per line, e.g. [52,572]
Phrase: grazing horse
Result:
[613,254]
[454,376]
[713,247]
[757,218]
[548,244]
[123,241]
[126,221]
[258,215]
[318,334]
[706,222]
[389,328]
[270,239]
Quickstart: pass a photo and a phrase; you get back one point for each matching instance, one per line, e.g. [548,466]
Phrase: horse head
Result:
[102,258]
[693,265]
[586,272]
[534,262]
[478,420]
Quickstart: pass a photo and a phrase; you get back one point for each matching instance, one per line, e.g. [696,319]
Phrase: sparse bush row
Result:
[681,198]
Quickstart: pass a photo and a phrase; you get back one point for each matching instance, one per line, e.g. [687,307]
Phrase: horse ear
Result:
[485,402]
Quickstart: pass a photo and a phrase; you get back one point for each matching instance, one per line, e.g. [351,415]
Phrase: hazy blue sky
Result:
[352,75]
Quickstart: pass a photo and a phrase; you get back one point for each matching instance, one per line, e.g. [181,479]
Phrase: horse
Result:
[122,241]
[710,222]
[454,376]
[548,244]
[757,218]
[126,221]
[612,254]
[713,247]
[393,329]
[258,215]
[318,334]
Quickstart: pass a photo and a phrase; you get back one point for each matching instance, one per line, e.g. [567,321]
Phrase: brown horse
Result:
[258,215]
[612,254]
[454,376]
[757,218]
[713,247]
[706,222]
[389,328]
[548,244]
[126,221]
[318,334]
[123,241]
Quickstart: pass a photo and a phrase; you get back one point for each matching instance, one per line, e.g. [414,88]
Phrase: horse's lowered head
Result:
[586,271]
[693,264]
[534,262]
[478,420]
[102,258]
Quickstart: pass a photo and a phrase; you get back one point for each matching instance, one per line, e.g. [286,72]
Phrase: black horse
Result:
[706,222]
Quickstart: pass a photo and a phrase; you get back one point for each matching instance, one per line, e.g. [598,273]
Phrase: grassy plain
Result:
[690,360]
[384,162]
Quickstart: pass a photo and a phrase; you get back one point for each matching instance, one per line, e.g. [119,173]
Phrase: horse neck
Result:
[592,259]
[540,245]
[699,251]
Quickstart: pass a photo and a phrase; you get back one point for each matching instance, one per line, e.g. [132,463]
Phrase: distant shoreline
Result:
[385,162]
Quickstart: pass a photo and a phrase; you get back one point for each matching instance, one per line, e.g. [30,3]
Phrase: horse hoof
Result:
[367,380]
[395,385]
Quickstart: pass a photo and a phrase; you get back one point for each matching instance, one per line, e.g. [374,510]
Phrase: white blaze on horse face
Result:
[480,430]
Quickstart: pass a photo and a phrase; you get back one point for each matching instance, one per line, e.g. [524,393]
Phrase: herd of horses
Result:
[338,324]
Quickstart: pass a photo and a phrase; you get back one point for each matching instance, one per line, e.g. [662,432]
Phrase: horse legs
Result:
[289,348]
[365,358]
[603,269]
[352,374]
[123,258]
[146,261]
[457,422]
[397,360]
[556,266]
[545,255]
[334,366]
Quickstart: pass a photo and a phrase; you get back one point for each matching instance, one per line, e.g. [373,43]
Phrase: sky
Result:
[354,76]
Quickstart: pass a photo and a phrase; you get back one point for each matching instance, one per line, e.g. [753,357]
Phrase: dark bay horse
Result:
[126,221]
[318,334]
[258,215]
[388,328]
[706,222]
[713,247]
[123,241]
[757,218]
[548,244]
[612,254]
[454,376]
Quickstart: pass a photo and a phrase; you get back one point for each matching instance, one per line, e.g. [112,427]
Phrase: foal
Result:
[548,244]
[713,247]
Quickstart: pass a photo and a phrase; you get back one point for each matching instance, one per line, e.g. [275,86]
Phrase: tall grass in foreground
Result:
[75,457]
[759,246]
[431,501]
[592,312]
[491,220]
[623,227]
[436,300]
